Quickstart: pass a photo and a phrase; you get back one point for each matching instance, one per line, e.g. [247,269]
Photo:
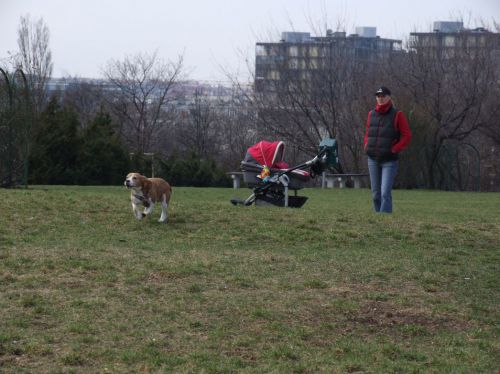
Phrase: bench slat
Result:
[342,178]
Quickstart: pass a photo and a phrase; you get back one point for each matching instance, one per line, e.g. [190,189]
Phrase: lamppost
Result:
[152,155]
[149,154]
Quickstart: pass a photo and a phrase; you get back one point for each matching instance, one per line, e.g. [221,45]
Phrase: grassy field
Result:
[328,288]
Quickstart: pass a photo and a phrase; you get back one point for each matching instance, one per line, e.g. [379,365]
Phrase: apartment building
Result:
[449,38]
[298,54]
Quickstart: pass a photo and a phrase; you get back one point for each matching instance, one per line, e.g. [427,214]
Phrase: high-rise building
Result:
[299,54]
[450,37]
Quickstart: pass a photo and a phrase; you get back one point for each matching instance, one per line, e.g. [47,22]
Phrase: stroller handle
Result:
[314,160]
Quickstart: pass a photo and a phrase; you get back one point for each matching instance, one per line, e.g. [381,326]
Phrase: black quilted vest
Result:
[382,135]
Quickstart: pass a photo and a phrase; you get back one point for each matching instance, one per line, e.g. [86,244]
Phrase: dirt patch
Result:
[385,316]
[351,313]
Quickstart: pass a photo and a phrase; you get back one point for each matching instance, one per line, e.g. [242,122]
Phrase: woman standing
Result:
[387,134]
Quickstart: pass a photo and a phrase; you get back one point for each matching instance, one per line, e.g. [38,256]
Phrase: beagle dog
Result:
[147,192]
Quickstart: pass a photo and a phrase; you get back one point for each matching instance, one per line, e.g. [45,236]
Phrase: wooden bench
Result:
[236,176]
[341,179]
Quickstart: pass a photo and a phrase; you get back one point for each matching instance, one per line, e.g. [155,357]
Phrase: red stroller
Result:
[271,178]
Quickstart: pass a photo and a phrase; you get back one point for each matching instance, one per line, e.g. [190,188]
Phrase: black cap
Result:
[383,90]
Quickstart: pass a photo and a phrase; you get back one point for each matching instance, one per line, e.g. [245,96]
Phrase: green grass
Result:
[328,288]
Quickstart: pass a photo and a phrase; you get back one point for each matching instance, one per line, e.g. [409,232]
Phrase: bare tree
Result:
[197,127]
[35,58]
[452,88]
[32,70]
[237,126]
[87,98]
[141,91]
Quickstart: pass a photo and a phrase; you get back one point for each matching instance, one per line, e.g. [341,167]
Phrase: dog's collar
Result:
[139,197]
[142,199]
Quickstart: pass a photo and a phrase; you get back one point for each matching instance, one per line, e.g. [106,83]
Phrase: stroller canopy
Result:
[268,154]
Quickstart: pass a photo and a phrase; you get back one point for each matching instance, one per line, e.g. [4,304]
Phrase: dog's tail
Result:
[164,196]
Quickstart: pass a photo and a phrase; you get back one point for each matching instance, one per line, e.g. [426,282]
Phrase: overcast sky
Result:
[85,34]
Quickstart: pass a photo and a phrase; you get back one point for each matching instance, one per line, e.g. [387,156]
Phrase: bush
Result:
[192,171]
[63,153]
[102,160]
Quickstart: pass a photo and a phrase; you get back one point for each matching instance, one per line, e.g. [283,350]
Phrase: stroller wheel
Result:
[237,202]
[249,201]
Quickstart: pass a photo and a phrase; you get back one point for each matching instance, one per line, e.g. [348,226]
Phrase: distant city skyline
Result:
[213,35]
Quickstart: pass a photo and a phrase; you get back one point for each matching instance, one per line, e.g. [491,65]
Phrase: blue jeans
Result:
[382,176]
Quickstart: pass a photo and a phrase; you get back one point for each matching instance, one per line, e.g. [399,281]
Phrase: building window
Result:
[260,50]
[273,51]
[397,46]
[293,63]
[305,75]
[471,41]
[293,51]
[449,41]
[449,53]
[313,63]
[428,41]
[273,74]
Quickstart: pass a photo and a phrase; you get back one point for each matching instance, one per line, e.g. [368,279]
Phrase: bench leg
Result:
[357,182]
[236,182]
[341,183]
